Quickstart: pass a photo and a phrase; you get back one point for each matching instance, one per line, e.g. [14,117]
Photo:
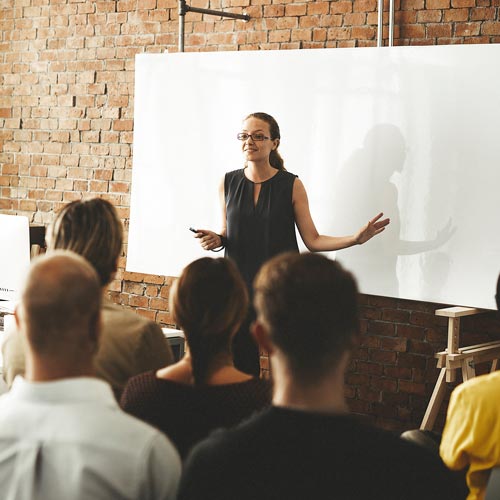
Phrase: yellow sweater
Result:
[471,437]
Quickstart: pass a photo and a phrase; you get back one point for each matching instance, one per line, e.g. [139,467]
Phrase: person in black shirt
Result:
[306,445]
[261,204]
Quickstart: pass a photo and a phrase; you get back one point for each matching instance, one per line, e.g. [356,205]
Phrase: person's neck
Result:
[222,371]
[325,395]
[46,369]
[259,171]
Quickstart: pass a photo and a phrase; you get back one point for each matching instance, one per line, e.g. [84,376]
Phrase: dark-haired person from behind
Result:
[130,344]
[204,390]
[306,445]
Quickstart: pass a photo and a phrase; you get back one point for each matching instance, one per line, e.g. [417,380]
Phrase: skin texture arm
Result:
[316,242]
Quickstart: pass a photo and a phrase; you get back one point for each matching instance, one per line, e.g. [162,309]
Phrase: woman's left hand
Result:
[374,227]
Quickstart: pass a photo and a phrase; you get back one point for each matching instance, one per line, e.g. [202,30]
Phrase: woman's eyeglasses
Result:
[242,136]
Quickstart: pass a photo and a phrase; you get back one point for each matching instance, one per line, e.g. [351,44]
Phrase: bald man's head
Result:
[60,304]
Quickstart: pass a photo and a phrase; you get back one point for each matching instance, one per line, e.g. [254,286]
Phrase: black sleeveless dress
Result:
[255,233]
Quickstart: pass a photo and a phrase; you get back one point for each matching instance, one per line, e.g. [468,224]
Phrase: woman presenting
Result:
[261,204]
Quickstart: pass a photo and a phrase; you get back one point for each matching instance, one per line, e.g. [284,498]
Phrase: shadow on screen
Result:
[365,187]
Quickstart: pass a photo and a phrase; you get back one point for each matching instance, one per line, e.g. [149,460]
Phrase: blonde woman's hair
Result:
[91,229]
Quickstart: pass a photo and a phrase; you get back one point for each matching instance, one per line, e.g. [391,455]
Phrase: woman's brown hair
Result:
[209,302]
[275,158]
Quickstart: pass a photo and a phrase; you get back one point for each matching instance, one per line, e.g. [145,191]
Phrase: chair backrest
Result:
[493,488]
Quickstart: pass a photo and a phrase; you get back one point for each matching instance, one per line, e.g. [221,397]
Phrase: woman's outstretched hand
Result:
[208,239]
[371,229]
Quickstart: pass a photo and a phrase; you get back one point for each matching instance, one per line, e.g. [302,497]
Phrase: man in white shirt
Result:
[62,434]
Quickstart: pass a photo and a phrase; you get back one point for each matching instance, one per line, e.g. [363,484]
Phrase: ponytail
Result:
[276,161]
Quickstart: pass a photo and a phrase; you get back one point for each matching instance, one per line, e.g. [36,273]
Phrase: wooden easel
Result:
[455,358]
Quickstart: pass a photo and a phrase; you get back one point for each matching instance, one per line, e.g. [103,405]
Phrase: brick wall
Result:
[66,131]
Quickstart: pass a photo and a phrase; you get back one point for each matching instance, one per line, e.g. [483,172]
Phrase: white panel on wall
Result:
[410,131]
[14,256]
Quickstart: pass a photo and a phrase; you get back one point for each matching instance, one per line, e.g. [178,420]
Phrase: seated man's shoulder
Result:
[298,452]
[238,440]
[479,387]
[119,319]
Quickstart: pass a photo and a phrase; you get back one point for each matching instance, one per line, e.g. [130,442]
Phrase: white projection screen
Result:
[410,131]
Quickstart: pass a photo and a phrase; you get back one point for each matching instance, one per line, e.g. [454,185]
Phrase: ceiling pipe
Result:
[391,23]
[380,22]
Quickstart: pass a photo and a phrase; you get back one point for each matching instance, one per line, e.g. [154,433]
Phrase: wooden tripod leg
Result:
[468,369]
[435,402]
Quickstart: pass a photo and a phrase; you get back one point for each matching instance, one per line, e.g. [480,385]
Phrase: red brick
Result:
[120,125]
[355,19]
[309,21]
[274,11]
[412,4]
[398,372]
[438,4]
[407,360]
[381,328]
[357,379]
[384,384]
[363,32]
[318,8]
[371,368]
[384,357]
[490,28]
[438,30]
[467,29]
[341,7]
[160,304]
[364,5]
[165,318]
[412,387]
[370,341]
[367,394]
[394,344]
[296,9]
[138,301]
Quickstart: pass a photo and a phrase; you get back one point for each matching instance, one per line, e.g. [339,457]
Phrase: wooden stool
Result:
[455,358]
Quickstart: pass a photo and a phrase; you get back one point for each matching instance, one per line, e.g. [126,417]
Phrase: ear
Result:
[276,144]
[261,336]
[17,317]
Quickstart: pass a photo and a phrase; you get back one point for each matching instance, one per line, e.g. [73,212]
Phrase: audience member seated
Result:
[130,344]
[62,433]
[471,436]
[306,445]
[203,390]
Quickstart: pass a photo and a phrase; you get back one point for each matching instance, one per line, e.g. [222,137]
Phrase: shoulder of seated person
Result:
[119,313]
[11,335]
[481,383]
